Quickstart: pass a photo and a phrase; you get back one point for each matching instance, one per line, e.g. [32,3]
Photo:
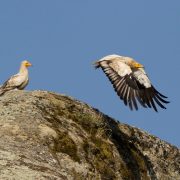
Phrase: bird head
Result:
[26,63]
[135,64]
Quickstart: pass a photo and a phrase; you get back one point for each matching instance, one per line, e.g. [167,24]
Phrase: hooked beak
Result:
[28,64]
[137,65]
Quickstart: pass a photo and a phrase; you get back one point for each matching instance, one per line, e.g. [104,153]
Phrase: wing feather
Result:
[124,96]
[134,100]
[127,94]
[150,99]
[130,100]
[122,91]
[161,99]
[158,102]
[157,92]
[140,99]
[132,86]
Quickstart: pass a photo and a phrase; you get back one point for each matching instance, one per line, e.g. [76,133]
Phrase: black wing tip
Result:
[162,95]
[157,92]
[160,103]
[161,98]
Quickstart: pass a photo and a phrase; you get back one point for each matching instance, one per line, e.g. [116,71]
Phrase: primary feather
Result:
[131,82]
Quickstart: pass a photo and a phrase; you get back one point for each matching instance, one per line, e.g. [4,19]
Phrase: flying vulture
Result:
[18,81]
[131,82]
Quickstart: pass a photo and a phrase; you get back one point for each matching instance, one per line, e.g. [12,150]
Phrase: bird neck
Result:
[23,69]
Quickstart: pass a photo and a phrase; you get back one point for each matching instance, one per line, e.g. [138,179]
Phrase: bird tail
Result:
[4,90]
[96,64]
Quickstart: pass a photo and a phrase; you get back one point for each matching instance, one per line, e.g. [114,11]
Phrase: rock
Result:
[44,135]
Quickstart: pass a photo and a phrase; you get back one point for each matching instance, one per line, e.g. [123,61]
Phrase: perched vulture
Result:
[18,81]
[131,82]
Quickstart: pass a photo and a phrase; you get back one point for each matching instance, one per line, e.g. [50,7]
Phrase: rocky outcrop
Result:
[44,135]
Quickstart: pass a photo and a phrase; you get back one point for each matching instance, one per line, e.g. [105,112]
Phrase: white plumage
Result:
[131,82]
[18,81]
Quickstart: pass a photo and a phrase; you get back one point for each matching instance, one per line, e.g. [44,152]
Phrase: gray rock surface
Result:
[44,135]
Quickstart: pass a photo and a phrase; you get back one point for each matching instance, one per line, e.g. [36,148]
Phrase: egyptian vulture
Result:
[18,81]
[131,82]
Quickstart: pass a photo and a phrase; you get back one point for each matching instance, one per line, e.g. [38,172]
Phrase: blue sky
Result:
[62,38]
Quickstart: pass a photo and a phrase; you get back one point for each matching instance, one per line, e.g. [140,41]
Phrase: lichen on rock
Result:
[45,135]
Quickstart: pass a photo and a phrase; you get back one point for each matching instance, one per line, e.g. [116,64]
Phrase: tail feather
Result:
[2,91]
[96,64]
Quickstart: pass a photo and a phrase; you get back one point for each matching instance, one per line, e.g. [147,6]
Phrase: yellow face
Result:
[26,63]
[135,64]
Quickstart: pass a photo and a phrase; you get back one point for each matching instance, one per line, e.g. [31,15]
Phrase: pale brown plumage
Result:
[131,82]
[18,81]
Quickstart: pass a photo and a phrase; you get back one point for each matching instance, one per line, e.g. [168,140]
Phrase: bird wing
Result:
[13,82]
[132,85]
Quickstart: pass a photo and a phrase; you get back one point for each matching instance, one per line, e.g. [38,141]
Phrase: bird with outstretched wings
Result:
[131,82]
